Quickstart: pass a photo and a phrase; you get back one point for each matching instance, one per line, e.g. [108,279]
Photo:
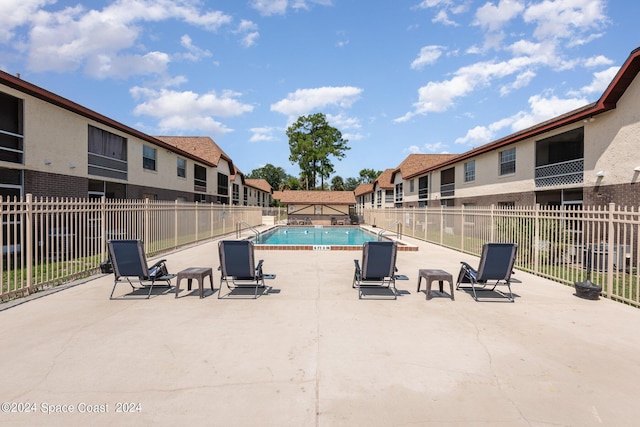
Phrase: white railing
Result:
[47,242]
[555,243]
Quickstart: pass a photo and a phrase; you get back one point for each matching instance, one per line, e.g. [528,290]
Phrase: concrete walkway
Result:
[311,354]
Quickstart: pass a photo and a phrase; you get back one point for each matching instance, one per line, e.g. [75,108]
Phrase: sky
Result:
[395,77]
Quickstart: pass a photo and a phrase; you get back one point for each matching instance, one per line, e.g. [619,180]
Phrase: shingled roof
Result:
[291,197]
[260,184]
[199,146]
[385,180]
[415,164]
[363,189]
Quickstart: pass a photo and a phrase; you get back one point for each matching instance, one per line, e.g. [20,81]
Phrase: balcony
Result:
[558,174]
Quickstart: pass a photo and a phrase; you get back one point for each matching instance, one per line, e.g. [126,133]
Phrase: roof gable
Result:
[260,184]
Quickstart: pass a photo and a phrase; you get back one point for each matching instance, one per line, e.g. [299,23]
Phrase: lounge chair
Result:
[128,261]
[378,268]
[496,267]
[238,269]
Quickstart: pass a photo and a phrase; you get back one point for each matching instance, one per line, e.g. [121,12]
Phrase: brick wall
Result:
[620,194]
[44,184]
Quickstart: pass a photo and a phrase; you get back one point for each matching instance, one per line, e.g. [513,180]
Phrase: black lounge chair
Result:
[378,268]
[496,267]
[238,269]
[128,261]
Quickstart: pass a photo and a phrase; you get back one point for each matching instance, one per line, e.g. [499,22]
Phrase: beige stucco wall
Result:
[612,142]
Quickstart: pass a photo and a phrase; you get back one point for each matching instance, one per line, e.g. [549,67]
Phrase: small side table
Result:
[198,273]
[430,275]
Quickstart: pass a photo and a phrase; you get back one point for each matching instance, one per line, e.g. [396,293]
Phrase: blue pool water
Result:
[332,236]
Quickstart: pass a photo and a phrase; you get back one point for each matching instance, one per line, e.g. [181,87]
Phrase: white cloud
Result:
[194,52]
[440,96]
[189,111]
[494,17]
[263,134]
[480,135]
[540,109]
[597,61]
[102,66]
[600,82]
[280,7]
[442,17]
[340,121]
[427,55]
[304,101]
[16,13]
[76,38]
[522,80]
[249,32]
[428,148]
[565,19]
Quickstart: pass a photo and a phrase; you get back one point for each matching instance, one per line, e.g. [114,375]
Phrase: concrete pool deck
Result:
[309,353]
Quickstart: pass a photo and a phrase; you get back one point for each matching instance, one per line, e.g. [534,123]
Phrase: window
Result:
[448,182]
[508,161]
[182,168]
[236,193]
[199,178]
[223,184]
[246,196]
[388,197]
[149,158]
[399,193]
[107,154]
[10,183]
[412,186]
[11,132]
[470,171]
[423,188]
[223,188]
[379,198]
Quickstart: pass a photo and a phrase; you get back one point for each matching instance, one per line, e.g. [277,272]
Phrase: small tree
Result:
[351,184]
[312,143]
[337,183]
[367,176]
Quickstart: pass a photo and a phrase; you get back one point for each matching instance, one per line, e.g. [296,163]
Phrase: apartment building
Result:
[53,147]
[588,156]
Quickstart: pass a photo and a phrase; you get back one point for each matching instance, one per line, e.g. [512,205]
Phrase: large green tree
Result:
[313,142]
[274,175]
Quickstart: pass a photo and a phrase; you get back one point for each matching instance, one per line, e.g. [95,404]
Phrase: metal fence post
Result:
[29,242]
[610,247]
[536,239]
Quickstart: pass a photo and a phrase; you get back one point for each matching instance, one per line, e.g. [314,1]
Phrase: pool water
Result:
[329,236]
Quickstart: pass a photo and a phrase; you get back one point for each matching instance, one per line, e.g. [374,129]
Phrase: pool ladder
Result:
[249,226]
[398,225]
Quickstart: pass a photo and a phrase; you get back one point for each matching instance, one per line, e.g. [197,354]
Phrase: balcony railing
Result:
[448,190]
[563,173]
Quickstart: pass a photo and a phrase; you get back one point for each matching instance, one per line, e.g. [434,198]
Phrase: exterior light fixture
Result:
[636,169]
[600,174]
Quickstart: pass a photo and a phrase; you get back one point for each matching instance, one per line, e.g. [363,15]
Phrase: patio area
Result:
[309,353]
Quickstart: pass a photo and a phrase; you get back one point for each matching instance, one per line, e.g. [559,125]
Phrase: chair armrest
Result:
[259,266]
[162,261]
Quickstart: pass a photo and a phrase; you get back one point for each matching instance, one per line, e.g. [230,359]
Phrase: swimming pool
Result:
[315,236]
